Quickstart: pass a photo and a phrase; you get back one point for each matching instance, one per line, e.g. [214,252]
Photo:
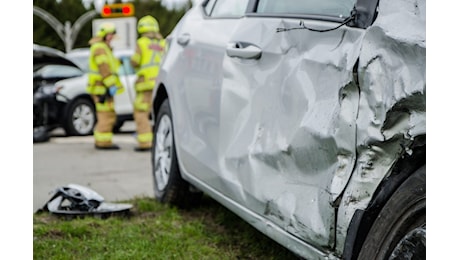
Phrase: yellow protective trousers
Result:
[142,106]
[106,118]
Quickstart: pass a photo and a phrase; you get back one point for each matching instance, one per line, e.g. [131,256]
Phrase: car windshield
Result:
[81,61]
[80,58]
[58,71]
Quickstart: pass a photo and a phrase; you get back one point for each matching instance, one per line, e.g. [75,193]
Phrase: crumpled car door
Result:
[287,121]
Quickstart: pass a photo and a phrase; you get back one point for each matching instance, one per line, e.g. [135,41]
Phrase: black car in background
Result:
[49,66]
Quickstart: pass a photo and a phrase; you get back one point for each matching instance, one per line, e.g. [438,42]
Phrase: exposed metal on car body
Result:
[296,133]
[392,75]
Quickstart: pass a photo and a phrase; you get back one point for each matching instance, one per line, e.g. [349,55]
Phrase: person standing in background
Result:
[103,85]
[146,60]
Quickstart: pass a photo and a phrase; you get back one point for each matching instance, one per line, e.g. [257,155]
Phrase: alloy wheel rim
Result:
[83,119]
[163,152]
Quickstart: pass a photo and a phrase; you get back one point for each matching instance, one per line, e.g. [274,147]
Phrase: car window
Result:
[209,6]
[337,8]
[81,61]
[226,8]
[59,71]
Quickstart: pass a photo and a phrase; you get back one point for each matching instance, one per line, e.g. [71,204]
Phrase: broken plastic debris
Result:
[77,200]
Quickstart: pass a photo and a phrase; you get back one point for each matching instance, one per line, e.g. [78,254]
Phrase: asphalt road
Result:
[116,175]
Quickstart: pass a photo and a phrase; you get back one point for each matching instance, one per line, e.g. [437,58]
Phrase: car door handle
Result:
[183,39]
[243,50]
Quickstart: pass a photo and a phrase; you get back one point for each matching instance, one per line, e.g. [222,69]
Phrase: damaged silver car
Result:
[305,118]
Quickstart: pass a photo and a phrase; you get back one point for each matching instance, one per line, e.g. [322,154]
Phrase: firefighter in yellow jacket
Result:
[103,85]
[146,60]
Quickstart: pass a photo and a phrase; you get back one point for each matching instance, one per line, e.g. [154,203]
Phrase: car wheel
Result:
[169,187]
[399,231]
[80,118]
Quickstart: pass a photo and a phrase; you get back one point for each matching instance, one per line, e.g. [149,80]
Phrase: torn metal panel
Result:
[392,109]
[77,200]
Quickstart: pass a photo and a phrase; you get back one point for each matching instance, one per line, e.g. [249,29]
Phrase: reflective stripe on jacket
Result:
[147,60]
[103,69]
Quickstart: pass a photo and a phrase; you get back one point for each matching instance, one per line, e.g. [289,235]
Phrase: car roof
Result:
[43,55]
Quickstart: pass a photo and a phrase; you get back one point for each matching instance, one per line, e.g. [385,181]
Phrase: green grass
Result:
[153,231]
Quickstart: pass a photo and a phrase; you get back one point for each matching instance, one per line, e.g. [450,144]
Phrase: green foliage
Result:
[71,10]
[154,231]
[44,34]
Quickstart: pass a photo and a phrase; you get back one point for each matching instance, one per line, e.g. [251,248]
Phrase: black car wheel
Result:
[399,231]
[80,118]
[169,187]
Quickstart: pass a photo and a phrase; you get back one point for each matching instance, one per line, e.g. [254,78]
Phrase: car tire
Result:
[169,186]
[80,118]
[399,232]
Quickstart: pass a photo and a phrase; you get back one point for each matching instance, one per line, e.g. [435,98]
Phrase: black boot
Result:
[142,149]
[112,147]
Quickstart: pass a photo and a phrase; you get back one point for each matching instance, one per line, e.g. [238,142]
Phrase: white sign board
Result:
[126,32]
